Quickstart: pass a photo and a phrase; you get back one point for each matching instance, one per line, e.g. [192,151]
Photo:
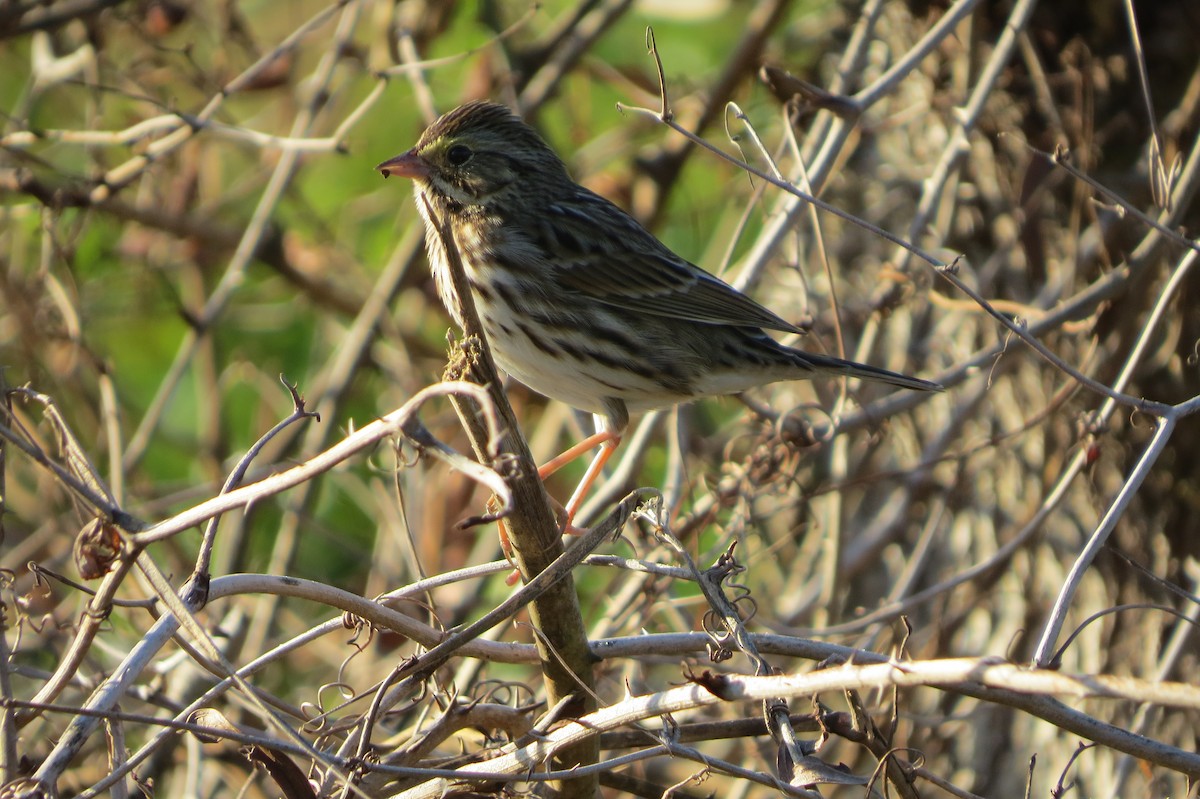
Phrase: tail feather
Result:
[830,365]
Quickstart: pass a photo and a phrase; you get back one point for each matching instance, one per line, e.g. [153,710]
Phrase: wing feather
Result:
[634,271]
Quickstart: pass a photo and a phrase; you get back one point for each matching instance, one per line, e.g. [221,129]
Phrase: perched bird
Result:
[578,300]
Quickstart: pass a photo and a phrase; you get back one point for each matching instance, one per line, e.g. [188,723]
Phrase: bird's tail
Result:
[827,364]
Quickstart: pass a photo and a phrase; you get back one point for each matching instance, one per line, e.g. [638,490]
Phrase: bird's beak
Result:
[408,165]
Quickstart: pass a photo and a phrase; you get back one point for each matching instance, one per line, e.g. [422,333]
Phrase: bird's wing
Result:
[631,269]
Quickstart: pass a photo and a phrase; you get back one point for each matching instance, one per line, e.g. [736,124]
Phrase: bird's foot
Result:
[565,518]
[565,527]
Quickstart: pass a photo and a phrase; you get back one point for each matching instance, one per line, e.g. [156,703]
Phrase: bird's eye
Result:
[459,154]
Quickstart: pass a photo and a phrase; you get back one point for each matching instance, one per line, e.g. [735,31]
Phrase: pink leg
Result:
[608,445]
[607,441]
[591,442]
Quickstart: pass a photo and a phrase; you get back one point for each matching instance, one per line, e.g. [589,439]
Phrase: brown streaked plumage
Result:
[578,300]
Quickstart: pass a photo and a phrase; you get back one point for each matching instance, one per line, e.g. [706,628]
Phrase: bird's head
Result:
[476,154]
